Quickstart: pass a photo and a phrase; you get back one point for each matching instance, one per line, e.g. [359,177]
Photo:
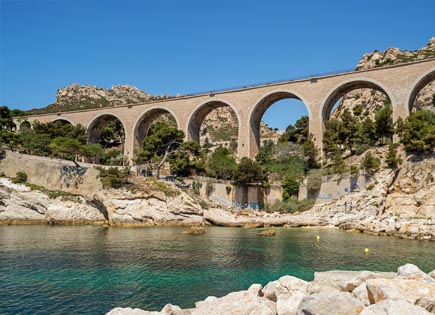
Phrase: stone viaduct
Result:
[401,83]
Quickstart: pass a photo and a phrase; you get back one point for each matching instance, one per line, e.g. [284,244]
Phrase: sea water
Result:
[90,270]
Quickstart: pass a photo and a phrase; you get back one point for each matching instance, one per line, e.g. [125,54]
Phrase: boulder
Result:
[416,292]
[344,280]
[237,303]
[360,292]
[327,303]
[412,272]
[267,232]
[170,309]
[130,311]
[287,292]
[392,307]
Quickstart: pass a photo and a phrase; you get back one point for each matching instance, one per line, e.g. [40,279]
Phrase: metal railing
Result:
[291,79]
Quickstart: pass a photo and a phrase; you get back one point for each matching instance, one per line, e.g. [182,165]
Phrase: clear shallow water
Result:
[90,270]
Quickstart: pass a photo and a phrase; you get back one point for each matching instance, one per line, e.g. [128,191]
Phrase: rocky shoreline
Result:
[399,202]
[407,291]
[21,205]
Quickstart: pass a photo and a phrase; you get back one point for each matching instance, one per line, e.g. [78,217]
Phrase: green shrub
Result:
[291,205]
[370,163]
[314,181]
[20,177]
[354,170]
[114,177]
[196,186]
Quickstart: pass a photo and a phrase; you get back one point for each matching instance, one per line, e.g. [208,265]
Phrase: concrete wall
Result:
[248,197]
[53,174]
[335,186]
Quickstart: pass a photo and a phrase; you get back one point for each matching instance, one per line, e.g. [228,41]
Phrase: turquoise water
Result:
[90,270]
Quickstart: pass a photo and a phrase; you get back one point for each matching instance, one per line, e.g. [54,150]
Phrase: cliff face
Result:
[369,100]
[83,200]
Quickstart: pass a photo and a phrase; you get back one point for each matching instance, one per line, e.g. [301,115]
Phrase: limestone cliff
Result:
[62,193]
[366,102]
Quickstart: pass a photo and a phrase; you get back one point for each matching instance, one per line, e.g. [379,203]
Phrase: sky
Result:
[183,47]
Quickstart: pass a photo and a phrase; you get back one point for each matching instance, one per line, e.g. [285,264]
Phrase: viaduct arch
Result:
[401,83]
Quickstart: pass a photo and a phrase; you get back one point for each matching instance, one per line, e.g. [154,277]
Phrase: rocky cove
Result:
[399,203]
[409,291]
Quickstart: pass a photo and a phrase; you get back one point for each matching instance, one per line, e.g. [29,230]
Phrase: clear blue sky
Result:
[181,47]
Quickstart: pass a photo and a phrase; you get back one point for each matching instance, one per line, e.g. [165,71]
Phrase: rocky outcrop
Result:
[343,293]
[76,96]
[393,56]
[20,205]
[221,125]
[367,102]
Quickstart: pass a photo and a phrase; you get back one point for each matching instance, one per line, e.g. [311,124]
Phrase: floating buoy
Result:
[366,250]
[318,238]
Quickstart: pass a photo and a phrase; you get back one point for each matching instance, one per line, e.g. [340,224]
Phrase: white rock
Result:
[360,292]
[417,292]
[393,307]
[237,303]
[130,311]
[327,303]
[410,271]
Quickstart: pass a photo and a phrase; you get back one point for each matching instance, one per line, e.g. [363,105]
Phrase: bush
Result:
[248,171]
[291,205]
[370,163]
[314,181]
[196,186]
[392,159]
[354,170]
[113,177]
[20,177]
[417,131]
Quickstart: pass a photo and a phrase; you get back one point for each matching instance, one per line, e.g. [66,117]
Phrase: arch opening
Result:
[273,115]
[214,123]
[61,121]
[108,131]
[24,126]
[363,98]
[145,122]
[423,94]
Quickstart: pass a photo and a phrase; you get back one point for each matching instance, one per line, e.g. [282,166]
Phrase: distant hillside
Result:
[368,101]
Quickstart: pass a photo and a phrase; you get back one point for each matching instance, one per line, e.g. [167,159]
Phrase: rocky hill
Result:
[78,96]
[368,101]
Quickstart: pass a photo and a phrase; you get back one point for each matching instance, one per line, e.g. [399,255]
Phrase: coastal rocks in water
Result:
[195,230]
[412,272]
[130,311]
[393,307]
[344,280]
[287,292]
[250,302]
[267,233]
[380,293]
[413,291]
[326,303]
